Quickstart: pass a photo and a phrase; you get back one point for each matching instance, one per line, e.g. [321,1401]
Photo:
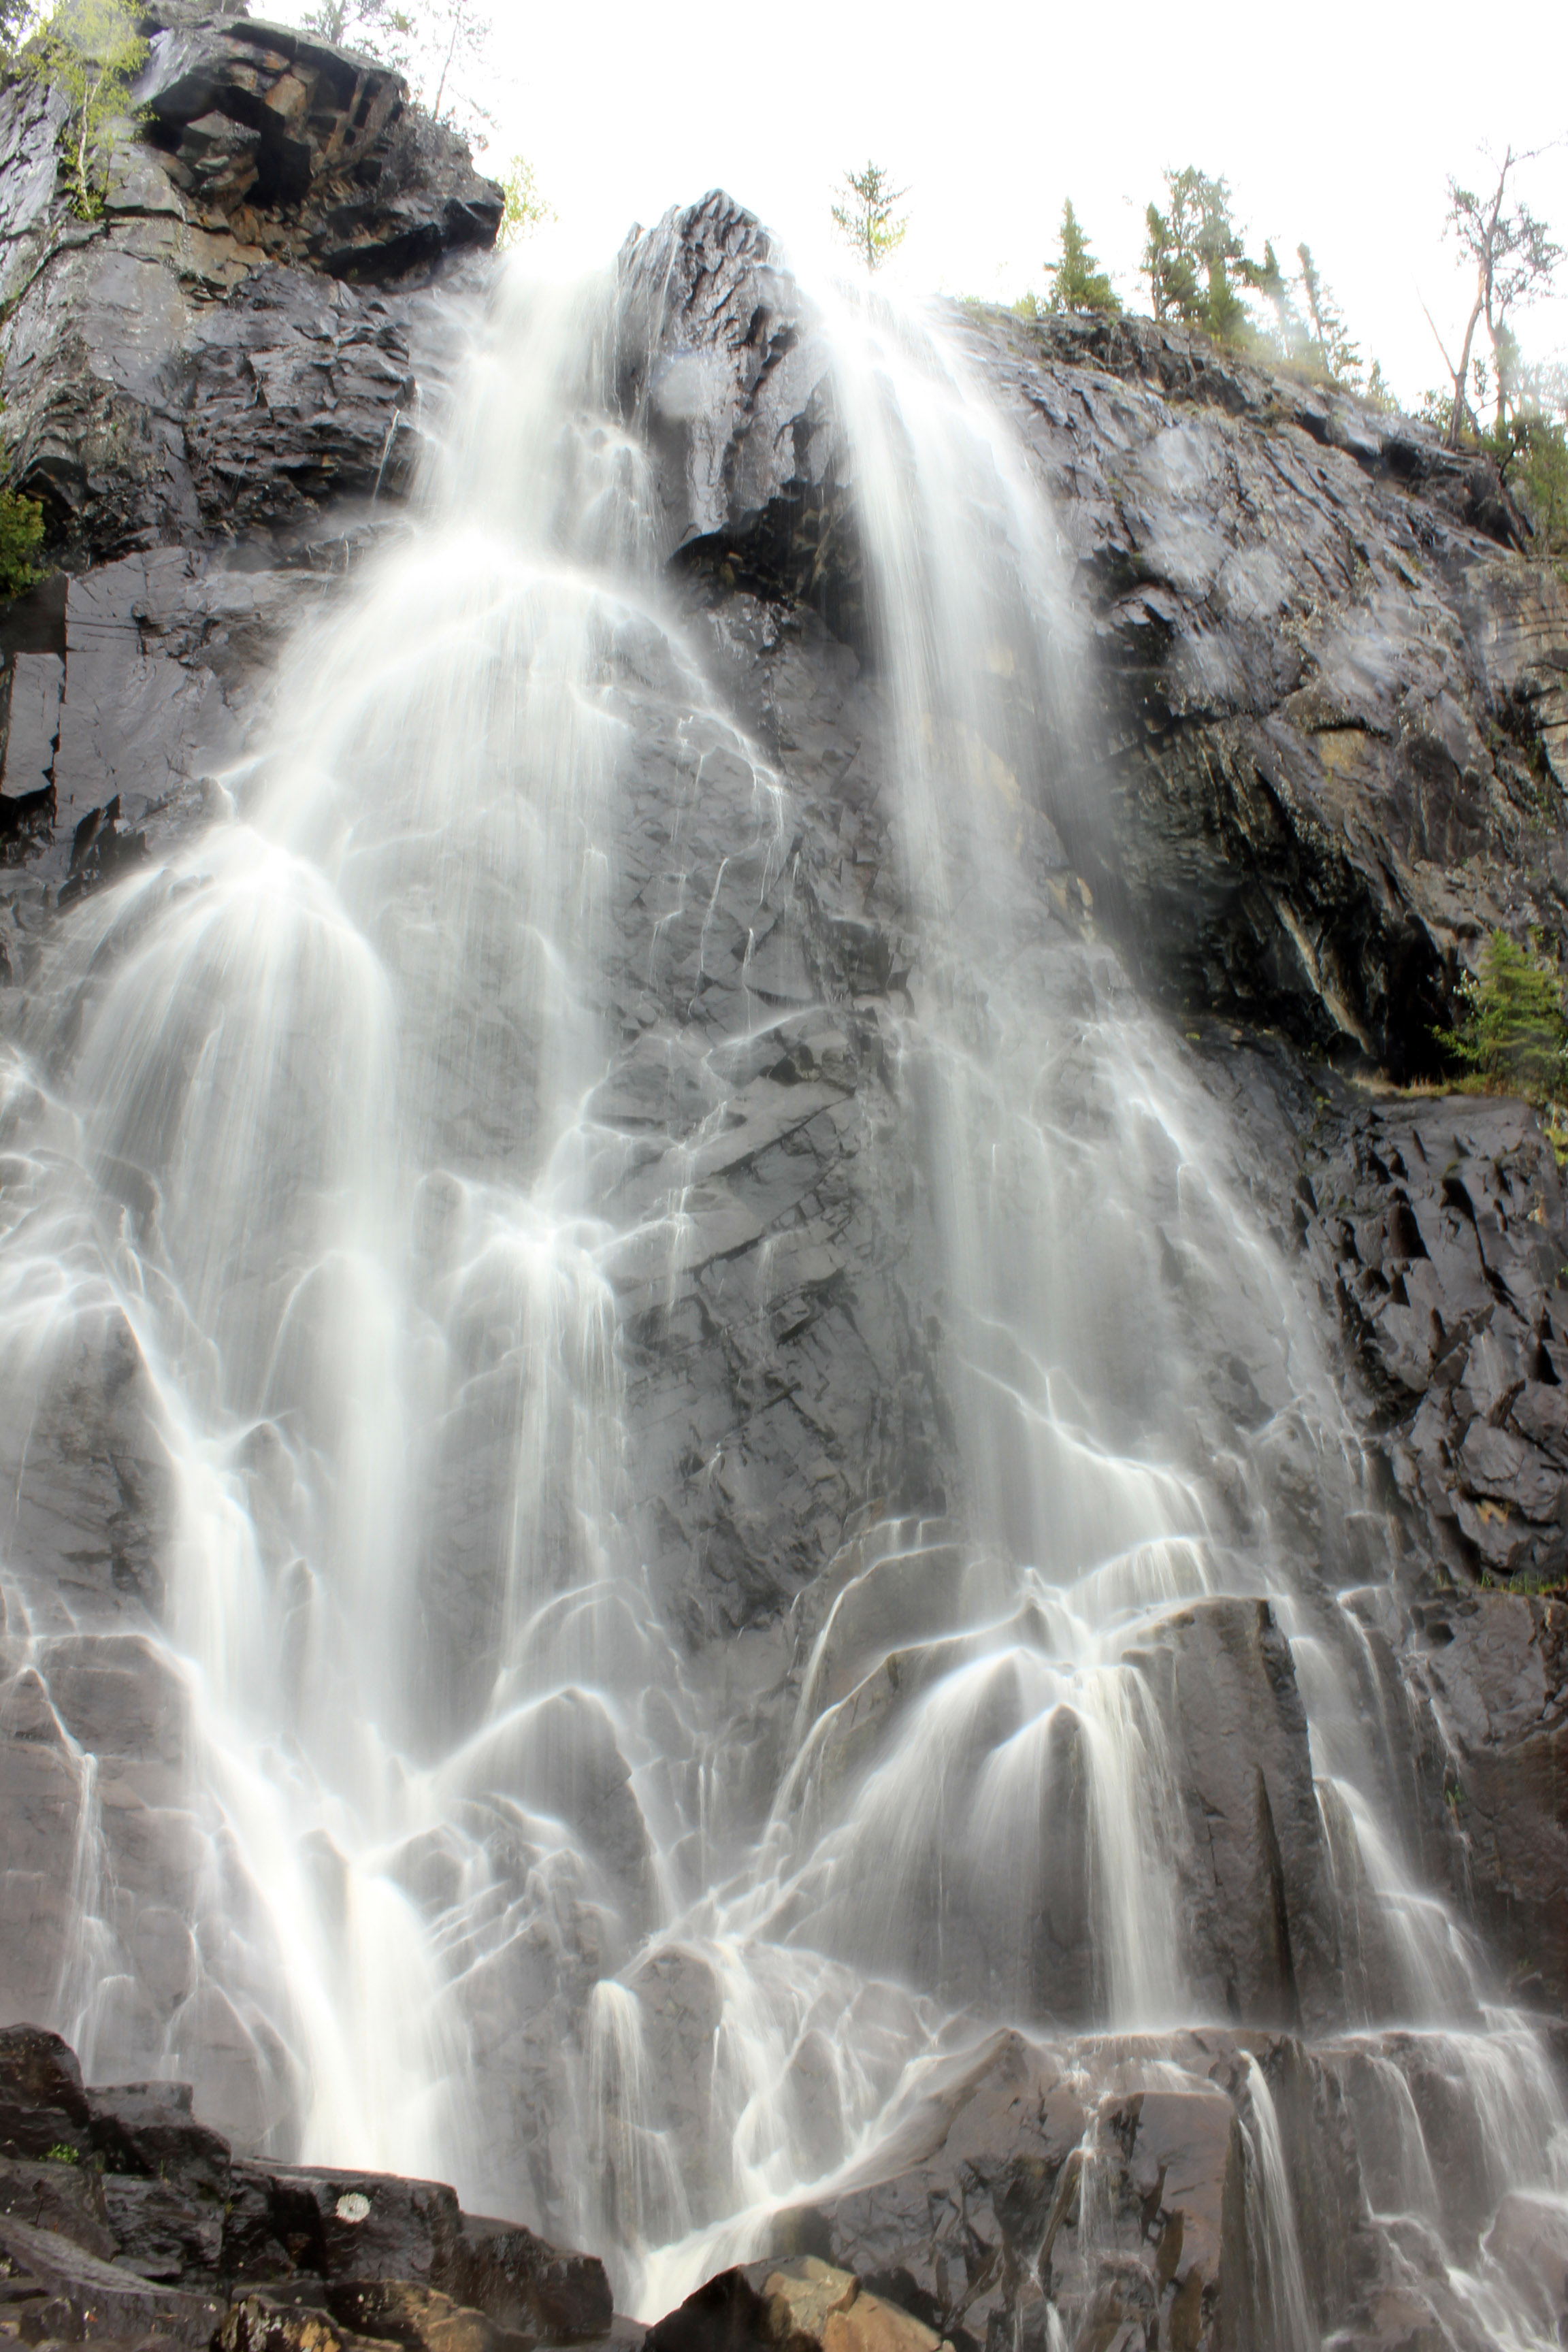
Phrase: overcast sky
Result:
[1338,124]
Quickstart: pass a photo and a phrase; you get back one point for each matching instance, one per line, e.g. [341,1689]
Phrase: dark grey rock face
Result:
[1490,1670]
[243,357]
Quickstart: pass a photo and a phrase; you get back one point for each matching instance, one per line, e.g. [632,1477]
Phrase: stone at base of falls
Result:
[802,2304]
[42,2100]
[373,2311]
[144,2225]
[67,2199]
[974,2218]
[522,2282]
[58,2290]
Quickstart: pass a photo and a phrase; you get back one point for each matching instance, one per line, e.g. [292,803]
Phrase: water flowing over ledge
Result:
[758,1558]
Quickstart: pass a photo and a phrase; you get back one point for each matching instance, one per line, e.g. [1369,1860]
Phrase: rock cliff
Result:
[1322,754]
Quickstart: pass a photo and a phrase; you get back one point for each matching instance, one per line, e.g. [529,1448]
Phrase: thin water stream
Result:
[325,1122]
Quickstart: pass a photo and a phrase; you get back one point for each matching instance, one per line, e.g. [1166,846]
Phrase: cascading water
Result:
[366,1127]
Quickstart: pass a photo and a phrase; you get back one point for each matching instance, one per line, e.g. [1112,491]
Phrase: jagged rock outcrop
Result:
[308,152]
[237,351]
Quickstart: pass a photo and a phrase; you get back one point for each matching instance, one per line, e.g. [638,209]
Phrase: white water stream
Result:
[316,1115]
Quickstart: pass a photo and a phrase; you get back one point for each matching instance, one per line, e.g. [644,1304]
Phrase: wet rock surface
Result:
[135,2222]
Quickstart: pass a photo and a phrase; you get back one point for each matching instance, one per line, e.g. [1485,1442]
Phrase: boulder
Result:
[43,2101]
[523,2285]
[392,2311]
[283,2221]
[256,119]
[65,2197]
[76,2297]
[149,2129]
[798,2303]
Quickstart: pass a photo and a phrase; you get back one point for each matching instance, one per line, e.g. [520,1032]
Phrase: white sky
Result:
[1337,124]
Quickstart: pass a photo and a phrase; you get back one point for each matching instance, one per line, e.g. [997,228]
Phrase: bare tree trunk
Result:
[1460,403]
[1485,262]
[451,53]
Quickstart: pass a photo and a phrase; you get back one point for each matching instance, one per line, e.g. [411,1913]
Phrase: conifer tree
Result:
[865,220]
[1336,354]
[1077,281]
[1194,255]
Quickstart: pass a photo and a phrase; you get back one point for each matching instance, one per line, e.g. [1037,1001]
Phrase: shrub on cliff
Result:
[21,531]
[91,51]
[1513,1034]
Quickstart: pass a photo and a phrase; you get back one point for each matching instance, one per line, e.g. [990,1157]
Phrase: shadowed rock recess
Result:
[1307,1341]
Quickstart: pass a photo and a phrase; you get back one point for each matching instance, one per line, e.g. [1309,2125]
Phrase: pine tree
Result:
[1077,282]
[1173,279]
[1267,278]
[1194,255]
[1335,353]
[868,222]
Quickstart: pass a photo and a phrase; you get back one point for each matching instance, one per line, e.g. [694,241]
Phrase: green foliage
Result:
[1336,354]
[525,209]
[90,52]
[63,2153]
[1172,268]
[1375,391]
[1513,1032]
[376,28]
[439,46]
[1515,257]
[1192,254]
[1077,280]
[865,219]
[1199,271]
[21,533]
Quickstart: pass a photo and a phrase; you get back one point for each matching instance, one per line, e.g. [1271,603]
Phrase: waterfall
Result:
[384,1130]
